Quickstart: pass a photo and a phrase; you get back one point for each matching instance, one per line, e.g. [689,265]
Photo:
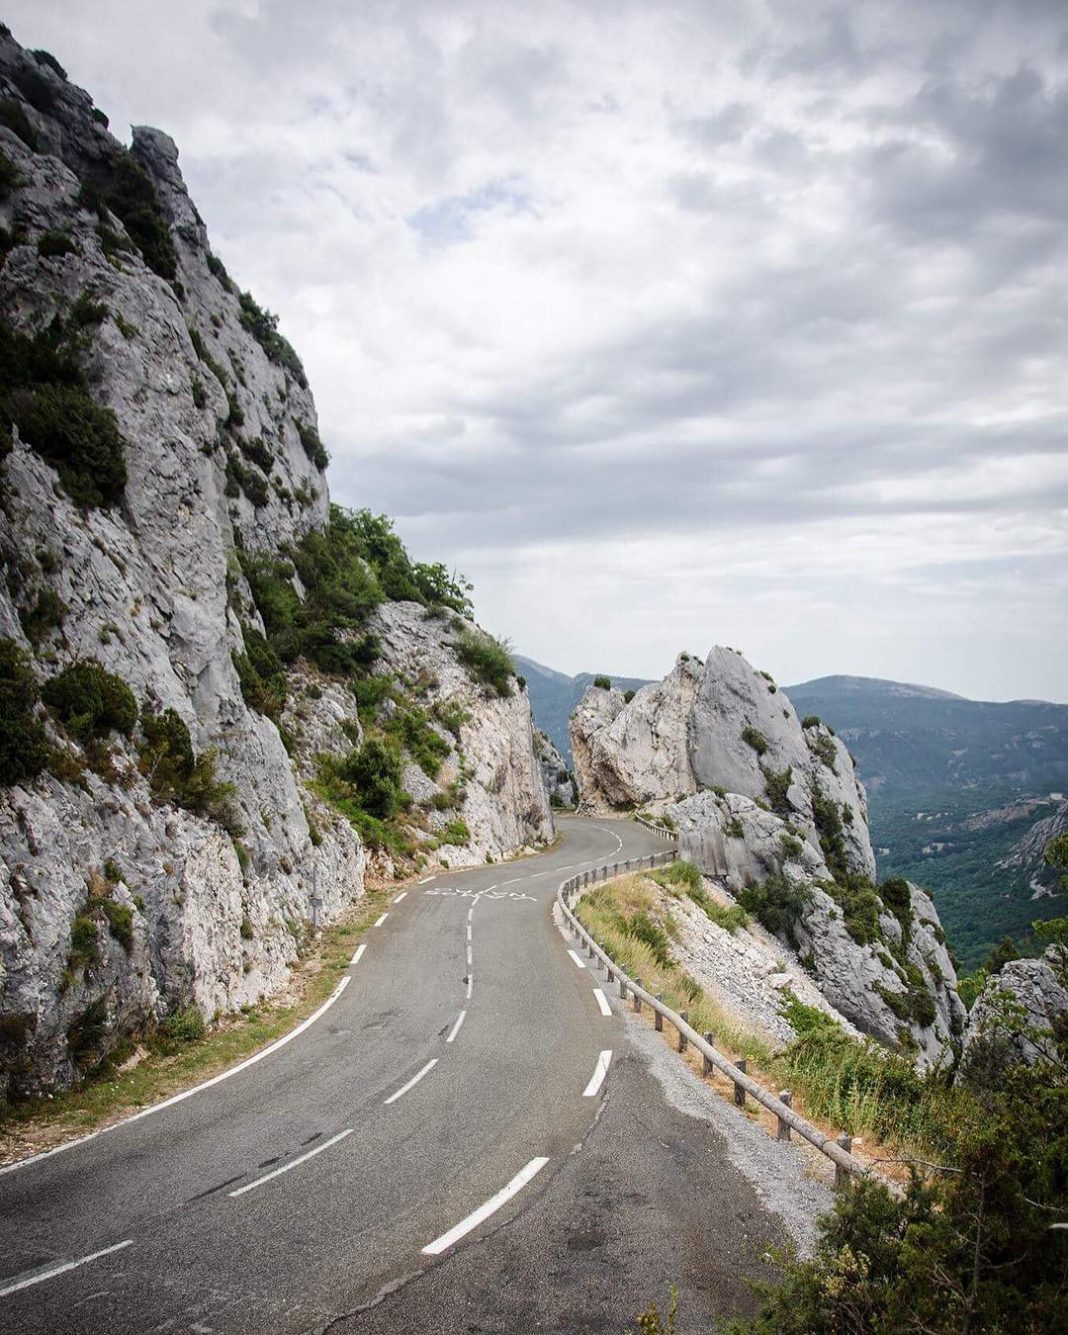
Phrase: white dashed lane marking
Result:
[491,1207]
[55,1270]
[599,1073]
[413,1081]
[269,1177]
[602,1001]
[577,958]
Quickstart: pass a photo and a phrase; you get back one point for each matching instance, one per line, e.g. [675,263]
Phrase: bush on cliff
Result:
[487,659]
[176,774]
[24,749]
[90,701]
[123,186]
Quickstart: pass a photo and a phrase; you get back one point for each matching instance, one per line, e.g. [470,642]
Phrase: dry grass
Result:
[836,1082]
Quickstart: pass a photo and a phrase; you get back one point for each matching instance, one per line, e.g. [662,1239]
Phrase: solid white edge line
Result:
[413,1081]
[382,920]
[456,1026]
[397,898]
[491,1207]
[295,1163]
[602,1001]
[30,1280]
[575,956]
[359,951]
[469,931]
[188,1093]
[599,1073]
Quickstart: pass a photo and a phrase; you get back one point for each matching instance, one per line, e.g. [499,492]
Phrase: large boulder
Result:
[1018,1010]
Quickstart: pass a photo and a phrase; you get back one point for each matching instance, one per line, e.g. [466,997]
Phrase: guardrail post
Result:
[626,865]
[784,1127]
[637,999]
[685,1016]
[658,1023]
[608,970]
[622,988]
[739,1090]
[706,1067]
[841,1175]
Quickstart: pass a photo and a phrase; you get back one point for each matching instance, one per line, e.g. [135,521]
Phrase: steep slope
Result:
[772,810]
[199,623]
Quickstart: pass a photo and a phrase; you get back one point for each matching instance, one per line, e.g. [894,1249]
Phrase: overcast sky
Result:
[670,324]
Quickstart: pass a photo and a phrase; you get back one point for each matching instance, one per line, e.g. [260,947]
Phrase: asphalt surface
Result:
[300,1194]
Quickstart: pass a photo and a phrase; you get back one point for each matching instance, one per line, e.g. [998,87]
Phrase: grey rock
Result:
[555,774]
[1018,1009]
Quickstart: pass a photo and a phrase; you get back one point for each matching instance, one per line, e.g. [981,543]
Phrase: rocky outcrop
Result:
[119,901]
[721,725]
[1027,853]
[770,806]
[555,774]
[492,768]
[1017,1012]
[885,969]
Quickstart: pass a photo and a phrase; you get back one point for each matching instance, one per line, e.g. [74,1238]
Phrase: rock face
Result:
[1035,993]
[116,904]
[493,760]
[1028,852]
[555,774]
[774,812]
[720,724]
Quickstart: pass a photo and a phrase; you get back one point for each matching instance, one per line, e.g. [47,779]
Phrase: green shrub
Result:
[101,117]
[183,1026]
[456,832]
[24,749]
[35,88]
[755,738]
[90,701]
[10,179]
[603,683]
[375,772]
[246,928]
[777,904]
[261,674]
[369,693]
[776,786]
[828,821]
[804,1019]
[14,117]
[87,1032]
[263,326]
[84,939]
[258,451]
[486,659]
[411,729]
[175,774]
[87,310]
[313,446]
[681,874]
[811,721]
[823,748]
[733,828]
[54,243]
[860,907]
[120,921]
[78,437]
[47,58]
[122,185]
[643,928]
[44,616]
[452,716]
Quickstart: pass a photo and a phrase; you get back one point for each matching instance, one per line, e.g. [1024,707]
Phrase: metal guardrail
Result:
[837,1150]
[657,829]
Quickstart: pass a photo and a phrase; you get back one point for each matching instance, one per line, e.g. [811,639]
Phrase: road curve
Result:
[351,1178]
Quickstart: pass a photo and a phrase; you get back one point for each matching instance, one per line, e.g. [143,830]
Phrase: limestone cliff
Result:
[213,644]
[555,775]
[770,806]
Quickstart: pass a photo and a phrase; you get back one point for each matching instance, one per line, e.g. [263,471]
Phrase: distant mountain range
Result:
[914,737]
[954,785]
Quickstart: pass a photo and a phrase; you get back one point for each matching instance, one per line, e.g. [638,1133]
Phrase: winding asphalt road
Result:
[461,1141]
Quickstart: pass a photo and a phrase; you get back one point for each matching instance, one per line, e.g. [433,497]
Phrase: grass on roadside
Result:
[173,1062]
[843,1082]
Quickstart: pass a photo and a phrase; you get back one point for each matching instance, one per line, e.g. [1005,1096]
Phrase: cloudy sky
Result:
[671,323]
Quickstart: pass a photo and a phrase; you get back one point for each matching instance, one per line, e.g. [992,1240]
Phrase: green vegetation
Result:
[35,88]
[24,749]
[176,774]
[122,186]
[90,702]
[13,116]
[43,392]
[313,446]
[456,832]
[412,729]
[261,674]
[47,58]
[603,683]
[120,921]
[44,616]
[263,326]
[973,1243]
[776,786]
[185,1025]
[823,747]
[755,738]
[487,659]
[777,903]
[54,244]
[682,876]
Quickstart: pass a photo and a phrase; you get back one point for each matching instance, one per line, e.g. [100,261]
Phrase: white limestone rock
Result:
[1033,993]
